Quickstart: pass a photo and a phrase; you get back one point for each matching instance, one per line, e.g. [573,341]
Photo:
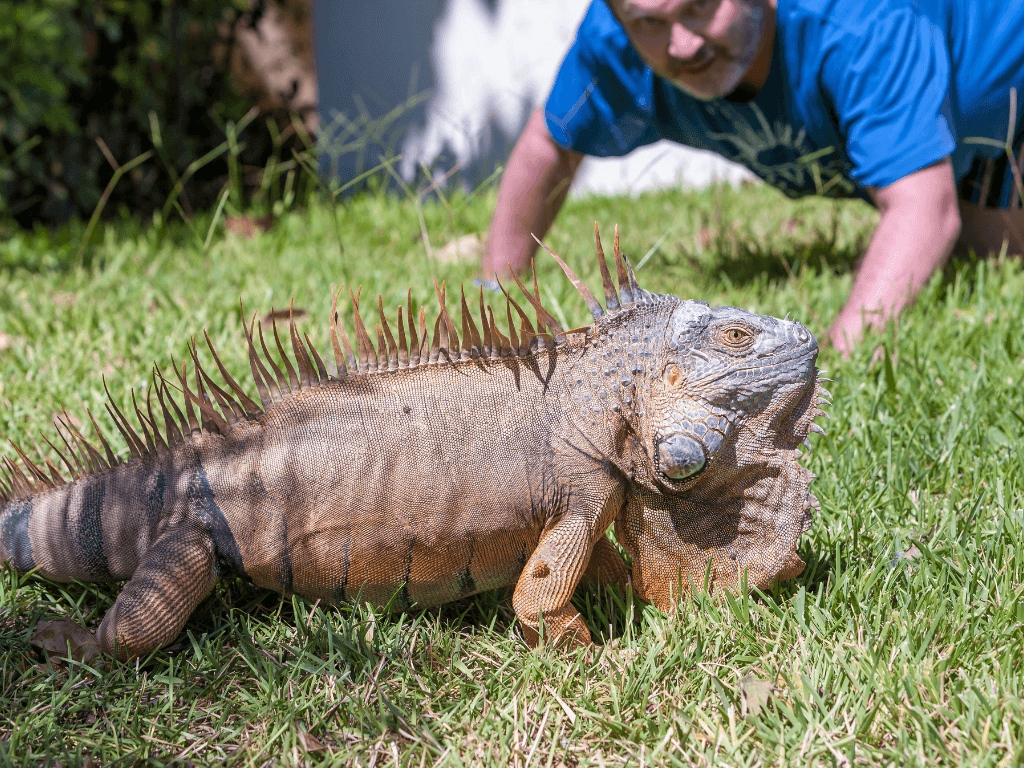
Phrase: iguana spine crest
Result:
[276,385]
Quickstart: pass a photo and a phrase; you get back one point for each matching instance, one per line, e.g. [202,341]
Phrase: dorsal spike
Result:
[293,378]
[528,334]
[513,337]
[63,458]
[625,291]
[72,449]
[157,436]
[190,423]
[302,362]
[321,369]
[55,477]
[403,344]
[170,426]
[611,298]
[367,354]
[350,356]
[134,449]
[435,342]
[36,472]
[450,339]
[212,420]
[592,304]
[111,457]
[135,444]
[639,294]
[307,373]
[150,443]
[414,341]
[470,334]
[388,337]
[536,293]
[340,367]
[260,376]
[485,349]
[280,382]
[232,411]
[182,421]
[502,347]
[383,357]
[250,407]
[544,318]
[22,485]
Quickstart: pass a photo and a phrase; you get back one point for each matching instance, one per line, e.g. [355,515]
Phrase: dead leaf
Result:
[790,226]
[756,694]
[7,341]
[64,299]
[467,248]
[311,743]
[57,637]
[282,314]
[248,226]
[705,237]
[913,553]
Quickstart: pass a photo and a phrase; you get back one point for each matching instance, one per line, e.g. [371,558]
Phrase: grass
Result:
[902,643]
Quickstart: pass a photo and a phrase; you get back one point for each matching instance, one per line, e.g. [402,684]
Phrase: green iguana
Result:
[426,469]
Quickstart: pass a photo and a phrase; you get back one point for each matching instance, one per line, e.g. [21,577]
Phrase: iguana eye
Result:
[737,337]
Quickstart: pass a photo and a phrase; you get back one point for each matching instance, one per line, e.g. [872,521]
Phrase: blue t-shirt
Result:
[860,94]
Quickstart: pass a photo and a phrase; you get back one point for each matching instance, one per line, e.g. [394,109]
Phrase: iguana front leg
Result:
[173,577]
[568,550]
[550,577]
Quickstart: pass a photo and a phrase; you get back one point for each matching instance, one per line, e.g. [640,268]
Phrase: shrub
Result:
[87,84]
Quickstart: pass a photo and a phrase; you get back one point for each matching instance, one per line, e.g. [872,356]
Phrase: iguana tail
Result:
[110,522]
[111,526]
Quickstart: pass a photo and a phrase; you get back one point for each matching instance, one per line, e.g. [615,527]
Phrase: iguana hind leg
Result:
[606,566]
[172,578]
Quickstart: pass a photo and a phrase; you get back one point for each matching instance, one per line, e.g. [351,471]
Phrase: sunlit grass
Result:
[902,642]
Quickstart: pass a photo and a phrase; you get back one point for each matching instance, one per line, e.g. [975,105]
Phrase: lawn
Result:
[901,643]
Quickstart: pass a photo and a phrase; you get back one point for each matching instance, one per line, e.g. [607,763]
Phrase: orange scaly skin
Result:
[423,471]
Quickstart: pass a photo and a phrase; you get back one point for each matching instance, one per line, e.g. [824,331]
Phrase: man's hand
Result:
[920,225]
[533,188]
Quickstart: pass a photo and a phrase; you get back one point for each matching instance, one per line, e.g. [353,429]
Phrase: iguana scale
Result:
[431,466]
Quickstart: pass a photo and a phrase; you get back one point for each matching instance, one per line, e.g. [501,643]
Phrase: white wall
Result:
[494,68]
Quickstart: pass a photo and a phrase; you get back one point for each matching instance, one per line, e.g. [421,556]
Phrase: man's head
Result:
[708,48]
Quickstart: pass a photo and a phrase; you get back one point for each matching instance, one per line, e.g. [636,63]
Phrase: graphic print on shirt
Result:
[781,154]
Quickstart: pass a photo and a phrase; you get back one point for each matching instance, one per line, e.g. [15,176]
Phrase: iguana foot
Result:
[574,634]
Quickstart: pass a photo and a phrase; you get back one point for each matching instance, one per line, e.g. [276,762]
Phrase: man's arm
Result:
[920,225]
[533,188]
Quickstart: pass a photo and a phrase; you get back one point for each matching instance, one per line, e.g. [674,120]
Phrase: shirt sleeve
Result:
[888,83]
[602,101]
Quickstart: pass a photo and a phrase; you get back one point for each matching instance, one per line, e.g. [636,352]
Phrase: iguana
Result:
[437,465]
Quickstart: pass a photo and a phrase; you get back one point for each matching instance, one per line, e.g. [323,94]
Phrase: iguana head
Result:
[733,398]
[718,400]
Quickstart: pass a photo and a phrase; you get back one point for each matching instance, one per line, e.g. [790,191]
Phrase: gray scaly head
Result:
[718,401]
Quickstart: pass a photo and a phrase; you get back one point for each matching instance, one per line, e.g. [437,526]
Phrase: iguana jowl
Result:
[426,469]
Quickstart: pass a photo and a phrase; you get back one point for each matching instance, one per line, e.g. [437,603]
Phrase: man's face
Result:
[704,47]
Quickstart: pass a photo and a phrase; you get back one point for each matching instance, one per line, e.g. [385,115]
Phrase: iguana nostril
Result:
[680,457]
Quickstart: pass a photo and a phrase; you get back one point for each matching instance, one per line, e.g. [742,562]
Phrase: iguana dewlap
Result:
[427,468]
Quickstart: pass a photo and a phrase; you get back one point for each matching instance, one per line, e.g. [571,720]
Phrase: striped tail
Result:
[94,529]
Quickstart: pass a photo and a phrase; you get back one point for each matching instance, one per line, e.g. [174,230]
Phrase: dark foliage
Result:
[87,84]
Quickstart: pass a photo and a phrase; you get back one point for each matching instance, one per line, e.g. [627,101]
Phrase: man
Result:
[894,101]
